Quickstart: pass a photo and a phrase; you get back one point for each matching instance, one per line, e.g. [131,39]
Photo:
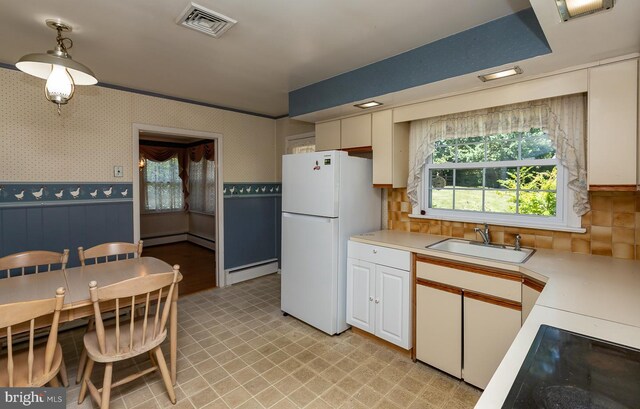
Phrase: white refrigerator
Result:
[326,198]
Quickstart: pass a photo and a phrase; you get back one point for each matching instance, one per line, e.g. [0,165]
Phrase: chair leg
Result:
[63,373]
[166,376]
[54,382]
[87,374]
[106,386]
[83,354]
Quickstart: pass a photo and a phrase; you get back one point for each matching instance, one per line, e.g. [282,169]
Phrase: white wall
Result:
[94,133]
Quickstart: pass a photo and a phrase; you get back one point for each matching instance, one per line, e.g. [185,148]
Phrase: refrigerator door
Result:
[309,270]
[310,183]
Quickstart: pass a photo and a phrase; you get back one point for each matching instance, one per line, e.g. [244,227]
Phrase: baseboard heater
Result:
[250,271]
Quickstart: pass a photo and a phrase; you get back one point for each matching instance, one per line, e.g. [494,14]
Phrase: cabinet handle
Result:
[377,301]
[375,251]
[370,298]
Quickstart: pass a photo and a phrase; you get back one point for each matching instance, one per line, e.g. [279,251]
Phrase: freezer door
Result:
[309,270]
[310,183]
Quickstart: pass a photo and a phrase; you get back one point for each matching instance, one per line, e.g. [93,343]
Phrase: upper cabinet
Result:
[613,126]
[356,132]
[390,143]
[328,136]
[377,132]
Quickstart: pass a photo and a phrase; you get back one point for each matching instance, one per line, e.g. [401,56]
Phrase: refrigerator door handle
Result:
[316,219]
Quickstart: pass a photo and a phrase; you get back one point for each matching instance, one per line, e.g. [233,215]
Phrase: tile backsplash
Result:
[612,226]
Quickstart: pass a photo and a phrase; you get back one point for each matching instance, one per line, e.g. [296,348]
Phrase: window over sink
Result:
[513,178]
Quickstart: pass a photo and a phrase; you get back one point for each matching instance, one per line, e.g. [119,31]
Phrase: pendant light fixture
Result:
[58,68]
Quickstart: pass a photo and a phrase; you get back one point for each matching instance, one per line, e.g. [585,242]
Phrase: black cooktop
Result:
[565,370]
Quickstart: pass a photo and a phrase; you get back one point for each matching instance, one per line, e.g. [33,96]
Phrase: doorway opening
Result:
[178,202]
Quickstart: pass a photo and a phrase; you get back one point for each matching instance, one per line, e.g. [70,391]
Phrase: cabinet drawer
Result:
[505,285]
[380,255]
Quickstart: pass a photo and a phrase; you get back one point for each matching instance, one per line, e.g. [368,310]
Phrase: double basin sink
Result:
[487,251]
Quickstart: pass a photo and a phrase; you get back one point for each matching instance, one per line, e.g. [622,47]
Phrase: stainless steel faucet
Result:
[517,246]
[484,233]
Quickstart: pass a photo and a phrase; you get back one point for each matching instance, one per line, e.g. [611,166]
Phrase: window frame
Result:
[144,183]
[564,220]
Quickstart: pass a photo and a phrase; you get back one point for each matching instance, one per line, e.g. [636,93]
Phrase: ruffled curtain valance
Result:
[196,153]
[562,118]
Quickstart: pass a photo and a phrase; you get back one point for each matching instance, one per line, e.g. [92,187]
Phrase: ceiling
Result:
[276,47]
[585,40]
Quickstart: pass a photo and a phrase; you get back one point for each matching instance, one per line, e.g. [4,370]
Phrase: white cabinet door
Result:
[439,328]
[360,292]
[613,125]
[356,131]
[328,136]
[392,305]
[489,330]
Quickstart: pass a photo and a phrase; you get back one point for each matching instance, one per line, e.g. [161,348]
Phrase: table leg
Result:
[173,333]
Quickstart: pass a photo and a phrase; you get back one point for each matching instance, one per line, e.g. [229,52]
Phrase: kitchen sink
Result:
[488,251]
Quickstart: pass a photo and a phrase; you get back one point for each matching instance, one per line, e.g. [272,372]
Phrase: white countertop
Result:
[592,295]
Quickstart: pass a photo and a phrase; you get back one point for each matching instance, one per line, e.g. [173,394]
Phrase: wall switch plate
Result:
[117,171]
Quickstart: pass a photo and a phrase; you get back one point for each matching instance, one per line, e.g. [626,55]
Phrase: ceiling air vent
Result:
[206,21]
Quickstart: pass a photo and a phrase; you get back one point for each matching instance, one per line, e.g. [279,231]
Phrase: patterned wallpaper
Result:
[612,226]
[93,134]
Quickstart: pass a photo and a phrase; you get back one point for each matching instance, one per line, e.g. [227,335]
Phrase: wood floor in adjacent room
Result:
[197,264]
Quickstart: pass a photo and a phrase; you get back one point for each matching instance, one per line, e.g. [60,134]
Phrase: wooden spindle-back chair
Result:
[31,365]
[28,262]
[124,340]
[106,252]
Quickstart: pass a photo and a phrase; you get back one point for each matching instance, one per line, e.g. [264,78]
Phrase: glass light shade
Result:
[59,87]
[577,7]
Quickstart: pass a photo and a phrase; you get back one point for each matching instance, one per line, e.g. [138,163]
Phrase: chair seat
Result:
[21,368]
[139,347]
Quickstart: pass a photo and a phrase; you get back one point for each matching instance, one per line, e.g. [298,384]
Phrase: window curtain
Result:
[202,183]
[202,186]
[164,153]
[562,118]
[162,185]
[302,145]
[184,156]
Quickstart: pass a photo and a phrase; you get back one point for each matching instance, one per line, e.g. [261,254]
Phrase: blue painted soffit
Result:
[511,38]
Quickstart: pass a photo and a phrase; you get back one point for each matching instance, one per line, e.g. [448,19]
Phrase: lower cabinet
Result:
[489,329]
[378,300]
[439,327]
[467,319]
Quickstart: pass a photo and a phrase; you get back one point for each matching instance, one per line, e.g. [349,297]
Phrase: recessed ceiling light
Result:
[501,74]
[577,8]
[369,104]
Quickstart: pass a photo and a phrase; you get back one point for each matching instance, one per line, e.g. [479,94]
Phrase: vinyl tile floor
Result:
[237,350]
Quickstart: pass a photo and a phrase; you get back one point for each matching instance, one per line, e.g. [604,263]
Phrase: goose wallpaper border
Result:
[16,193]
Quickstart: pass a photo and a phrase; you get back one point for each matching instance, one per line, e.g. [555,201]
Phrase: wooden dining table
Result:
[75,280]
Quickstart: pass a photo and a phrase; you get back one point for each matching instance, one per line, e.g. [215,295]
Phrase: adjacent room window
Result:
[162,186]
[202,186]
[304,143]
[509,176]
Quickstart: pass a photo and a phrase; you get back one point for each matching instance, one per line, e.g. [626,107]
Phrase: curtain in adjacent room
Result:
[202,186]
[165,153]
[562,118]
[202,183]
[162,186]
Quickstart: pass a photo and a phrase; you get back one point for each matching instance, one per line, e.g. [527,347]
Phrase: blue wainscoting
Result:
[56,227]
[251,223]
